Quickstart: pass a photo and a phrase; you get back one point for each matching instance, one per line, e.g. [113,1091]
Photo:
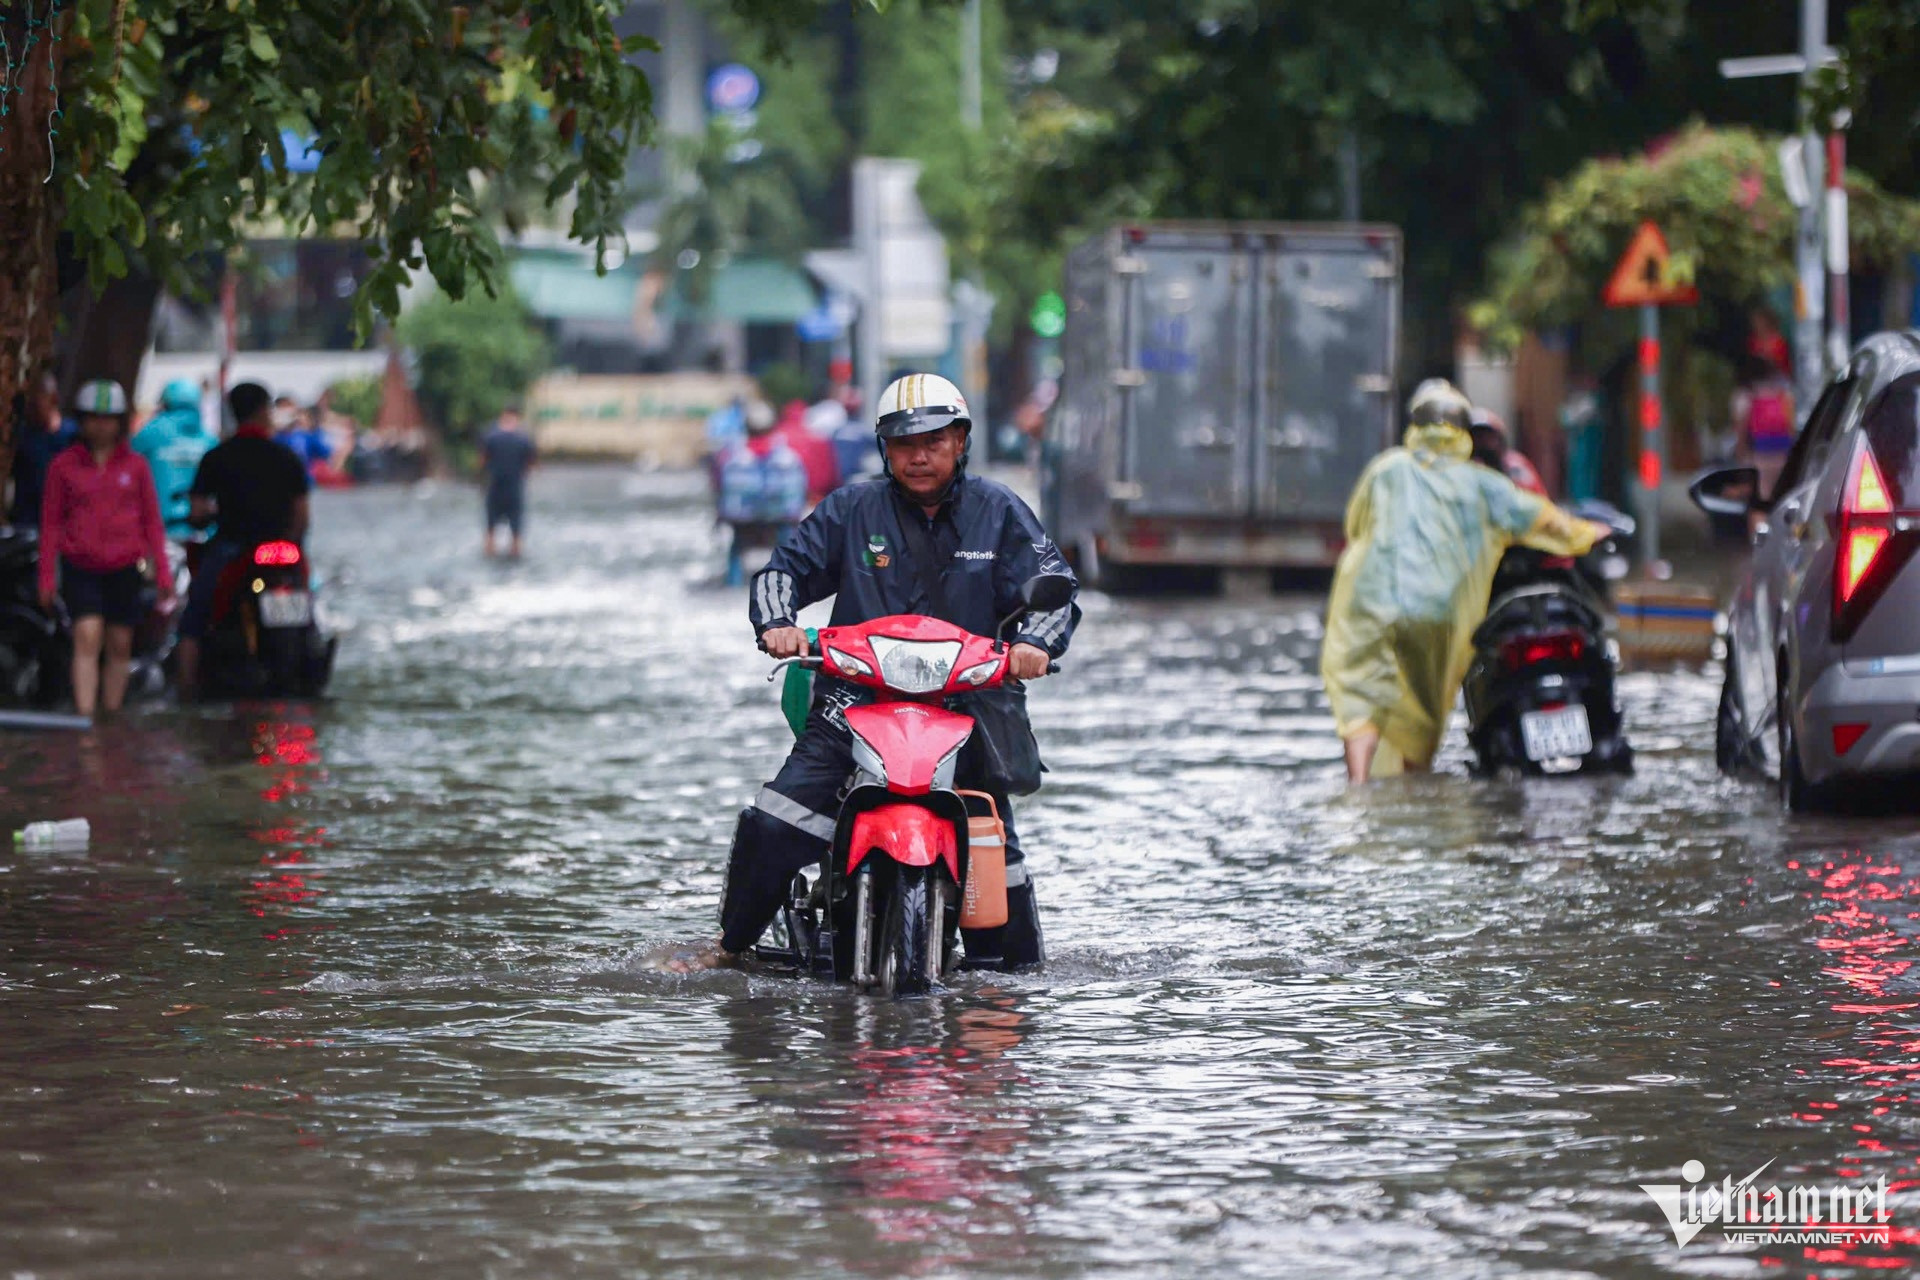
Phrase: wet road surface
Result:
[357,989]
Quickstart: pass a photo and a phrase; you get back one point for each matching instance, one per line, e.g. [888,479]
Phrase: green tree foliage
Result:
[359,398]
[171,141]
[726,198]
[754,185]
[784,382]
[472,358]
[1717,196]
[972,179]
[161,123]
[1459,112]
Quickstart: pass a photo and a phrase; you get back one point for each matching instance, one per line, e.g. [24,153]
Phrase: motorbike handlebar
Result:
[813,661]
[810,662]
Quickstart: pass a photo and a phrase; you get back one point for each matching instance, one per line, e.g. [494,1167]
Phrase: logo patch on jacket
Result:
[876,555]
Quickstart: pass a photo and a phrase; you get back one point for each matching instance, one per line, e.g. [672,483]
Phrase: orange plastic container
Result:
[983,901]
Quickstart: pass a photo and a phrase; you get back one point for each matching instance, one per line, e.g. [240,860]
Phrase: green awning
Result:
[567,288]
[751,291]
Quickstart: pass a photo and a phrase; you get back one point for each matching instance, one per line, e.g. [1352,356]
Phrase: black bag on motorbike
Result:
[1002,754]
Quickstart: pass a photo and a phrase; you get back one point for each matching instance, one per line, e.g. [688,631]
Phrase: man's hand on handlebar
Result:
[784,642]
[1027,662]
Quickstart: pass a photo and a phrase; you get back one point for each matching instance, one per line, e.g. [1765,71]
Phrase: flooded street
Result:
[357,989]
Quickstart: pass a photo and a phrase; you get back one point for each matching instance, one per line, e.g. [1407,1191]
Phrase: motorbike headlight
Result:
[980,672]
[915,666]
[848,663]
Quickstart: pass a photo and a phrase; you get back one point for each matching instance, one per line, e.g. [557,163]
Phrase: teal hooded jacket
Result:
[173,442]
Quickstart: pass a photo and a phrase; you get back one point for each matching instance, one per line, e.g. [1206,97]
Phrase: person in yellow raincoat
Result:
[1425,531]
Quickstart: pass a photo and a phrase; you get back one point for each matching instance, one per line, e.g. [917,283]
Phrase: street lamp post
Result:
[1822,198]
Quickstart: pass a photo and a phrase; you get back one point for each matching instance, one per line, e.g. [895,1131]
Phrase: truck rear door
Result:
[1186,444]
[1327,337]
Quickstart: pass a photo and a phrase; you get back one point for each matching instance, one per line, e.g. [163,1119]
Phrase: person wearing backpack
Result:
[762,484]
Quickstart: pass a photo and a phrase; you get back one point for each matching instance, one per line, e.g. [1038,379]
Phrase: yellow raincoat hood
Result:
[1439,438]
[1425,532]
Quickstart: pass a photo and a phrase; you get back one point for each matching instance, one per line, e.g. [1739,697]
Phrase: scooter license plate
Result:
[286,609]
[1552,735]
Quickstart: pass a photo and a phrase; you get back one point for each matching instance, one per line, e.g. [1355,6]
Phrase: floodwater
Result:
[357,989]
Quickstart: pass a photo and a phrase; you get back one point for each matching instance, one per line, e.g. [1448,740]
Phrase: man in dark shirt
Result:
[508,454]
[42,436]
[253,490]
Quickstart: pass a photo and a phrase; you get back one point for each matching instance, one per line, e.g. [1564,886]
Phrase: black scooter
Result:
[264,638]
[36,646]
[34,655]
[1540,692]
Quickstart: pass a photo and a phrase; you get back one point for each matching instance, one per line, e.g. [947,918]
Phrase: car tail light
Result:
[1845,735]
[1868,554]
[1556,646]
[277,553]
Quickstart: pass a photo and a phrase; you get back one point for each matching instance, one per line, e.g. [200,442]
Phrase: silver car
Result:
[1823,646]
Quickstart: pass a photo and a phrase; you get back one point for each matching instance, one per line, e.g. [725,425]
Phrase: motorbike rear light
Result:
[1558,646]
[277,553]
[1846,735]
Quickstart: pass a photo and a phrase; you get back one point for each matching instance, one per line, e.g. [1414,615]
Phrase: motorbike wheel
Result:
[907,934]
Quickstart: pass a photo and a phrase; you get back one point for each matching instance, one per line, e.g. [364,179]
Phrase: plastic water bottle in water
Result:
[73,833]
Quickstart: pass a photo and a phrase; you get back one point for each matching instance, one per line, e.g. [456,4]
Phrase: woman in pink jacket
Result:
[99,525]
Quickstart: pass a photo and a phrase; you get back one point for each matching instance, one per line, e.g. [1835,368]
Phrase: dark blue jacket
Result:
[855,548]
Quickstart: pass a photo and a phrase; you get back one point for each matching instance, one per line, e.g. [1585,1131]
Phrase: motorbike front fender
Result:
[910,834]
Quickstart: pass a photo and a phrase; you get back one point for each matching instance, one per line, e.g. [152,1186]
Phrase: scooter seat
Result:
[1550,606]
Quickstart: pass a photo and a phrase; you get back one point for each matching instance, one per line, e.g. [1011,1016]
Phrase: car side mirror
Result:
[1728,491]
[1046,592]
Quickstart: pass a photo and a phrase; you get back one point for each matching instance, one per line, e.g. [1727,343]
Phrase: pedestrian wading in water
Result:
[1425,531]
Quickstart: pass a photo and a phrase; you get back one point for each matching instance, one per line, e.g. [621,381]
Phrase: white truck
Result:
[1224,385]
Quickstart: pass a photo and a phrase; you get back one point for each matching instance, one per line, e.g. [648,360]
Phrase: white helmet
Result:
[102,395]
[917,404]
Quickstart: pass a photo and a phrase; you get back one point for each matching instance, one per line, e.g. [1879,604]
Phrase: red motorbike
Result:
[886,913]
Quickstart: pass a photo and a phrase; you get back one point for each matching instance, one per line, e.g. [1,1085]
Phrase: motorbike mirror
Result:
[1046,592]
[1042,593]
[1728,491]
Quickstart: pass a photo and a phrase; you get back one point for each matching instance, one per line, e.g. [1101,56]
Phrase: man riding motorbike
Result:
[254,490]
[925,538]
[1425,532]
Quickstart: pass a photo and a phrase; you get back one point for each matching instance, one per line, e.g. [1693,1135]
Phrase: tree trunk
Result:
[105,336]
[30,213]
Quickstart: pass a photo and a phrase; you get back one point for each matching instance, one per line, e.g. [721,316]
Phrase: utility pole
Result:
[1350,173]
[1815,181]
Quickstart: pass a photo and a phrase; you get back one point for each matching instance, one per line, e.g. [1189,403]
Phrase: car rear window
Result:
[1893,429]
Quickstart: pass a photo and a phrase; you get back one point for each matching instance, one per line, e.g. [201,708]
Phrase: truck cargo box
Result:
[1224,385]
